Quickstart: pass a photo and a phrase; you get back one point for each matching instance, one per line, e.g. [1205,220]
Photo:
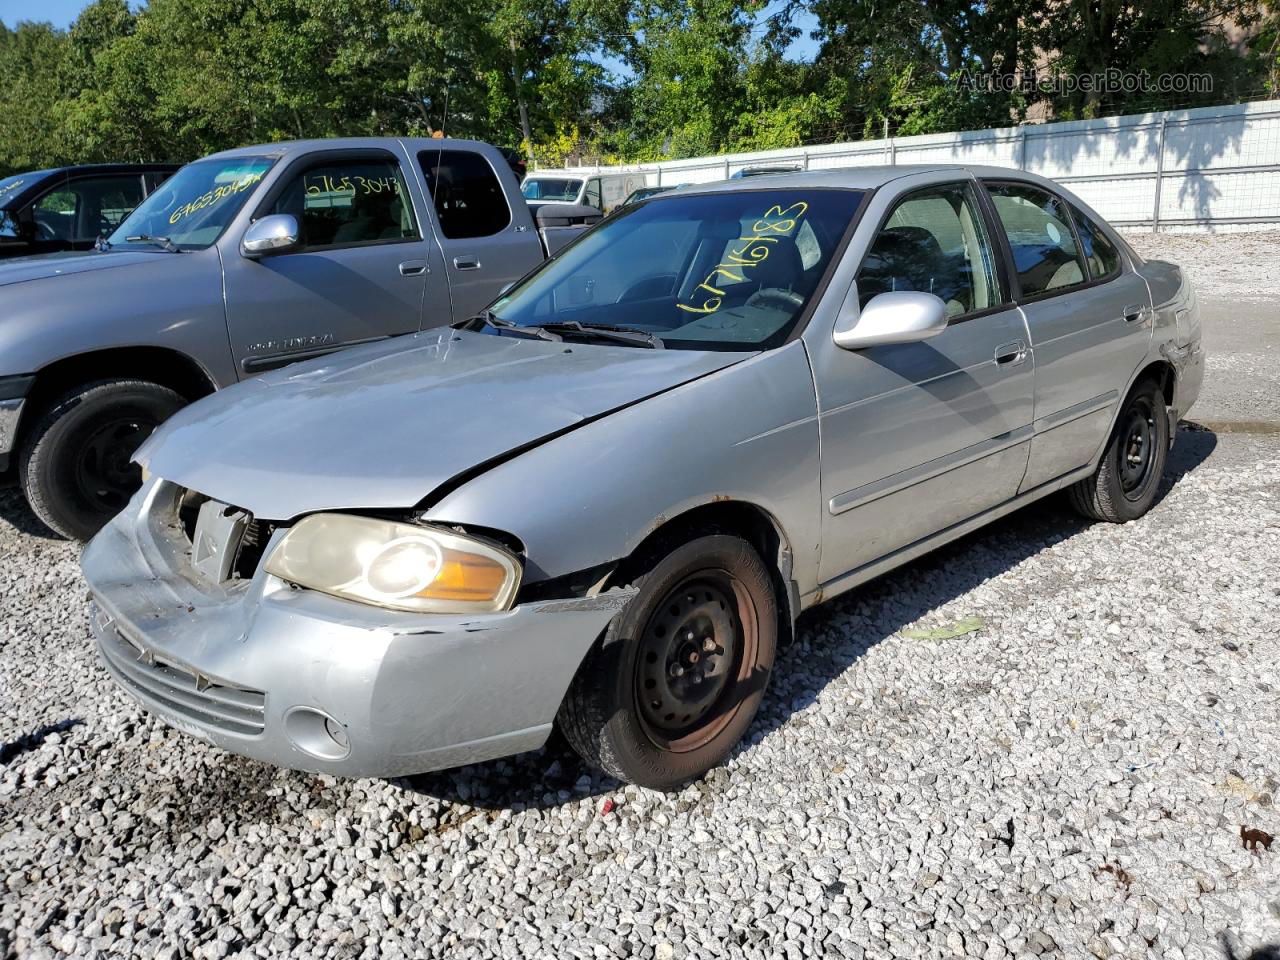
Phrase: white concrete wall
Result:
[1217,168]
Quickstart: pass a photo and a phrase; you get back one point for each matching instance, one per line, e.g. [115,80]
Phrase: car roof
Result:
[861,178]
[34,180]
[285,148]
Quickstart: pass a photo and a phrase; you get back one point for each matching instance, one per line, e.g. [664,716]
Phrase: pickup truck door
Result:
[484,227]
[917,437]
[360,273]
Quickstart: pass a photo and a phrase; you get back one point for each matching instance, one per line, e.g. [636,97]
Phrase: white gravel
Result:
[1241,266]
[1068,779]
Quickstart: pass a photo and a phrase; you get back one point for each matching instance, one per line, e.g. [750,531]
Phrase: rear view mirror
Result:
[277,233]
[903,316]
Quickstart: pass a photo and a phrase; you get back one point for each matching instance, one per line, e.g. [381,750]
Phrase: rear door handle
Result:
[466,263]
[1135,313]
[1011,353]
[413,268]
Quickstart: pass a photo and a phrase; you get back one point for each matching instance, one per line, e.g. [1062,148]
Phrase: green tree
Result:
[33,61]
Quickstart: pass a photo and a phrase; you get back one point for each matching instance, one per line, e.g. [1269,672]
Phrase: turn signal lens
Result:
[402,566]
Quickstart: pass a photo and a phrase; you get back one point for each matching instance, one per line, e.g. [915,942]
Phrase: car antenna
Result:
[435,180]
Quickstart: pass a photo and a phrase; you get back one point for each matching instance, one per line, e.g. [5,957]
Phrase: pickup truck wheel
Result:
[1125,484]
[679,673]
[75,466]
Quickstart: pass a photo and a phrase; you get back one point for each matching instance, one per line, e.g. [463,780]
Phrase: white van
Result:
[604,191]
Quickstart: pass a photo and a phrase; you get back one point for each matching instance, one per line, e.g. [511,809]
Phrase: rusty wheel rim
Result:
[694,652]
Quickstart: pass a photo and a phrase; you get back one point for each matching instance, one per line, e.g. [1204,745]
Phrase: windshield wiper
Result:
[557,328]
[164,243]
[605,331]
[491,319]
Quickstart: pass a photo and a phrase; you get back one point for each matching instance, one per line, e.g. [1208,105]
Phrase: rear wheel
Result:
[1126,482]
[678,676]
[75,467]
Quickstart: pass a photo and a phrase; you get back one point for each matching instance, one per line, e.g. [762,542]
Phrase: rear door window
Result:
[466,193]
[1100,254]
[1041,240]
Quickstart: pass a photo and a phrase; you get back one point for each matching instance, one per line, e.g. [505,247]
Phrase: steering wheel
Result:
[44,231]
[775,298]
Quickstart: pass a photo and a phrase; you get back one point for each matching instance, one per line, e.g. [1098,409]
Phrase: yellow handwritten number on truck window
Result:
[215,195]
[744,253]
[323,183]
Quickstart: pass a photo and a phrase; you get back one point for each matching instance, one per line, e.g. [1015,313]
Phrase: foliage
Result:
[570,79]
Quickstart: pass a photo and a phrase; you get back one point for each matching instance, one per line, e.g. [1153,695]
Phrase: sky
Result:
[61,12]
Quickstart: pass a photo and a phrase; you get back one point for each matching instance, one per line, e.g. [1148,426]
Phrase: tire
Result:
[1125,484]
[75,466]
[708,608]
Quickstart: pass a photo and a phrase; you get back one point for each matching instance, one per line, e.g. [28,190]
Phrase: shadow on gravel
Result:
[33,740]
[1193,446]
[554,775]
[15,512]
[1269,951]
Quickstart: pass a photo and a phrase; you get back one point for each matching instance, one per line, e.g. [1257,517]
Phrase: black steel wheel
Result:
[677,677]
[691,652]
[1136,451]
[76,463]
[1125,485]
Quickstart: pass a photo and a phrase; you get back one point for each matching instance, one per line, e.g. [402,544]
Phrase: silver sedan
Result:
[602,502]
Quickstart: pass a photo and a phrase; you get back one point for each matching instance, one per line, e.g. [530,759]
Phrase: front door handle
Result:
[413,268]
[466,263]
[1011,353]
[1135,313]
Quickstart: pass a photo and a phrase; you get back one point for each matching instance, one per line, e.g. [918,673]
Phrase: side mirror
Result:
[903,316]
[277,233]
[14,232]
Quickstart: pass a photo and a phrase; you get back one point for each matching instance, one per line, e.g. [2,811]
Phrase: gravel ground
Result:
[1044,740]
[1238,266]
[1235,276]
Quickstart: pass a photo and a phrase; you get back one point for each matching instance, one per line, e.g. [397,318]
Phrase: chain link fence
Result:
[1208,168]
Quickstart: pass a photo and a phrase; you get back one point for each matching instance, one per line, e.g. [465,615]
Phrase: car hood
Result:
[22,269]
[384,425]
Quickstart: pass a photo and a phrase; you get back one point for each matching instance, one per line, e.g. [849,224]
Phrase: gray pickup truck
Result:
[241,262]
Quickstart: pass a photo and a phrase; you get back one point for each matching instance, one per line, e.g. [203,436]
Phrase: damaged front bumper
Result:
[304,680]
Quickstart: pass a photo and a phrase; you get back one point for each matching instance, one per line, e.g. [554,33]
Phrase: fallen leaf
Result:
[958,629]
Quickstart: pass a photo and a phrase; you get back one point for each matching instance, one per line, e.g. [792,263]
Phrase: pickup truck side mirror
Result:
[276,233]
[903,316]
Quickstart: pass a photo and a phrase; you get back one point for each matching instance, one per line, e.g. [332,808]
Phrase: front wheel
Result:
[75,466]
[678,676]
[1124,486]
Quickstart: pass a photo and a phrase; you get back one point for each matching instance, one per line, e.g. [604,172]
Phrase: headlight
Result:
[398,565]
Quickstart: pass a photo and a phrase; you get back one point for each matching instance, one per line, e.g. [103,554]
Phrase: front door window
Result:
[934,242]
[345,203]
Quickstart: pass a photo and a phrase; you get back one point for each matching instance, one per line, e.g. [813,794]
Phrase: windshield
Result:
[193,206]
[542,189]
[716,271]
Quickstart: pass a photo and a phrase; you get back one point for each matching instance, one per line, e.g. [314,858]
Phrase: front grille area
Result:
[246,553]
[230,709]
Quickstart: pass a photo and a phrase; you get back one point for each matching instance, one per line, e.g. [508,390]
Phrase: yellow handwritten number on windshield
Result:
[215,195]
[746,252]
